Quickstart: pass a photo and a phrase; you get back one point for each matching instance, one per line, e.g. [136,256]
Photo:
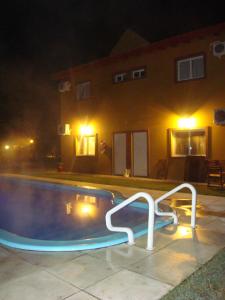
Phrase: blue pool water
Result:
[44,216]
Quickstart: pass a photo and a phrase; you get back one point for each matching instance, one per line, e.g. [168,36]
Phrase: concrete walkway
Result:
[119,272]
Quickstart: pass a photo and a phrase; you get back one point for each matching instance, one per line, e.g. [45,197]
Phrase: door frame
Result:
[132,147]
[129,150]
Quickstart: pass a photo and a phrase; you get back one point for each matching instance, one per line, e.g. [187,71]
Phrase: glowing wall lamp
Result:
[187,123]
[6,147]
[31,141]
[86,130]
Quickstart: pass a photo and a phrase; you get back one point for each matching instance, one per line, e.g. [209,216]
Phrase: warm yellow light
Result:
[69,208]
[86,209]
[31,141]
[187,123]
[6,147]
[86,130]
[184,232]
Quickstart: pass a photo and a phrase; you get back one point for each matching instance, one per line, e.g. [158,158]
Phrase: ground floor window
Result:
[85,145]
[188,142]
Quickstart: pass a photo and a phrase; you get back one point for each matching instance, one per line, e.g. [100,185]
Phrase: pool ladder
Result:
[153,209]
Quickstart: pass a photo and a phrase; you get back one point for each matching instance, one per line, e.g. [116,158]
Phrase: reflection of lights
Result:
[184,231]
[86,199]
[69,208]
[6,147]
[83,206]
[31,141]
[86,205]
[86,209]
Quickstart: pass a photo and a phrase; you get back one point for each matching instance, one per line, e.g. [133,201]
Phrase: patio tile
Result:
[82,296]
[84,271]
[13,268]
[166,235]
[162,238]
[216,204]
[210,237]
[37,286]
[197,251]
[200,220]
[129,285]
[217,225]
[4,253]
[166,266]
[47,259]
[121,255]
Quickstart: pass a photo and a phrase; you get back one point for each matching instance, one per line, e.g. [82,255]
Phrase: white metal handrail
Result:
[173,191]
[151,216]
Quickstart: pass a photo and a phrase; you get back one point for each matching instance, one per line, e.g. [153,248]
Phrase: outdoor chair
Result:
[215,173]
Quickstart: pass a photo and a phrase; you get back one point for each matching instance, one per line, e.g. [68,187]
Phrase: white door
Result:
[119,153]
[140,153]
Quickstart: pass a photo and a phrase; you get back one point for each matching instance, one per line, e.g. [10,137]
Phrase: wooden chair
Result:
[215,173]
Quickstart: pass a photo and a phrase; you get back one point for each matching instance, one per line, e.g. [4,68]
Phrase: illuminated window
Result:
[188,142]
[83,90]
[120,77]
[139,73]
[190,68]
[85,145]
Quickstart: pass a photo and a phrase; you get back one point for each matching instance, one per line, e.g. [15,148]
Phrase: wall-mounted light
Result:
[31,141]
[187,123]
[6,147]
[86,130]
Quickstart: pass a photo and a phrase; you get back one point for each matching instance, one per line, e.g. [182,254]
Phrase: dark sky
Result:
[38,37]
[55,34]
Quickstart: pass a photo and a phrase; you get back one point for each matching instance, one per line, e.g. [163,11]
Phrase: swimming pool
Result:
[42,216]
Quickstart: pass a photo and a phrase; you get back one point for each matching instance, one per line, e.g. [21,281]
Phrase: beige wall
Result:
[154,103]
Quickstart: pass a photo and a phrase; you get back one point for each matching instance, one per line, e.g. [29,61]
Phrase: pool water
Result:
[36,215]
[49,214]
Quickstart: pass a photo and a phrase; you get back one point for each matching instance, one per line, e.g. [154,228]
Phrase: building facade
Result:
[148,109]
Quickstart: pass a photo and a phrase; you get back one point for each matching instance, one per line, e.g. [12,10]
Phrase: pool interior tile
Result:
[84,270]
[37,286]
[129,285]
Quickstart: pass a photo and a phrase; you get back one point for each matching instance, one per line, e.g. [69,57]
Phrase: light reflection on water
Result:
[48,214]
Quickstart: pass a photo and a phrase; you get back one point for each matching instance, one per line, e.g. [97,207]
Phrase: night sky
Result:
[42,36]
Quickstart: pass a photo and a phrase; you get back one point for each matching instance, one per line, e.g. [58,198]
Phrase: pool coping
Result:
[23,243]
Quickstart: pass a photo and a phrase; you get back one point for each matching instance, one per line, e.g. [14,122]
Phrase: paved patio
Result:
[119,272]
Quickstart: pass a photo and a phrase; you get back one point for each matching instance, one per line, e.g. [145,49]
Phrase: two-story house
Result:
[148,109]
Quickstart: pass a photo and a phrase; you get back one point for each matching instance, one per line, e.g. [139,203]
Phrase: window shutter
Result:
[198,67]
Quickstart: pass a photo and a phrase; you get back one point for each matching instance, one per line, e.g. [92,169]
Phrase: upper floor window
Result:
[138,73]
[83,90]
[120,77]
[190,68]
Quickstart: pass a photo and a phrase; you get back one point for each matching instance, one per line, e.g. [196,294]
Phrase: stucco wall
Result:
[153,103]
